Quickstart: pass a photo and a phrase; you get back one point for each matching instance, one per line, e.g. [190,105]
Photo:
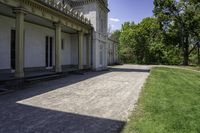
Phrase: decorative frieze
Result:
[46,9]
[64,8]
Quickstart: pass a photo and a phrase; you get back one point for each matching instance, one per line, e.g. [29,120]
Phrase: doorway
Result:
[49,52]
[13,49]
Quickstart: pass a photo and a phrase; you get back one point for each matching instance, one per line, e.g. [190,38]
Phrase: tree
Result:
[180,22]
[115,35]
[126,50]
[144,43]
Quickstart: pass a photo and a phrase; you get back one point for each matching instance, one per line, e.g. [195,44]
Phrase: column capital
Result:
[20,10]
[81,32]
[57,24]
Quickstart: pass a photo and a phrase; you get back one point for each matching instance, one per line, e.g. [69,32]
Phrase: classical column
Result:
[106,52]
[80,50]
[19,44]
[58,67]
[89,50]
[114,53]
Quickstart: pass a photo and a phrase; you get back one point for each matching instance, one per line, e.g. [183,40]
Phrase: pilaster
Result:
[80,50]
[19,52]
[106,53]
[58,67]
[89,50]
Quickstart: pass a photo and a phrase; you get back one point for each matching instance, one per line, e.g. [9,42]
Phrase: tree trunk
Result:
[186,53]
[198,55]
[186,58]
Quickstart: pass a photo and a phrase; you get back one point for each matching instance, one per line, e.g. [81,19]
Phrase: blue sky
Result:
[128,10]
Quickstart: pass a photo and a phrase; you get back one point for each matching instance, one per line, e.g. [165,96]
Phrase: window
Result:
[62,44]
[49,51]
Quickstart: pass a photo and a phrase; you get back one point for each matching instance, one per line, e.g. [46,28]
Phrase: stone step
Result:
[80,72]
[16,84]
[45,77]
[4,91]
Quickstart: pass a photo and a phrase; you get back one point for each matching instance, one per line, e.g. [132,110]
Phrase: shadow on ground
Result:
[18,118]
[129,70]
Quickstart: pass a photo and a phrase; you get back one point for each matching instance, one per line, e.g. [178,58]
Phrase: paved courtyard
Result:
[97,102]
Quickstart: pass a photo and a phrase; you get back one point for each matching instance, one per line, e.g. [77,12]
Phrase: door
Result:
[49,52]
[12,56]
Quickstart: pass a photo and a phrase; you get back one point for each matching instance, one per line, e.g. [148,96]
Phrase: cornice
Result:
[65,10]
[76,3]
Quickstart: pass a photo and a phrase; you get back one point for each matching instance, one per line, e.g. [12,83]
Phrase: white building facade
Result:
[112,56]
[53,35]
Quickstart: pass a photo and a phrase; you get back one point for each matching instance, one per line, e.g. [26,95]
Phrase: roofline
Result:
[80,3]
[113,40]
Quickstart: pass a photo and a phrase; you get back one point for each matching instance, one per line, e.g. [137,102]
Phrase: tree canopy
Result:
[180,20]
[170,37]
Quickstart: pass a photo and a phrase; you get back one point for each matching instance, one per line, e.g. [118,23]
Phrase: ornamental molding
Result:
[42,8]
[65,8]
[102,3]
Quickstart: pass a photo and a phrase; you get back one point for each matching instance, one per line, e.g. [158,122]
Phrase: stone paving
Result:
[97,102]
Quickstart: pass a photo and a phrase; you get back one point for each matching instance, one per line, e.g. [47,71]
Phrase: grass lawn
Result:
[169,103]
[195,68]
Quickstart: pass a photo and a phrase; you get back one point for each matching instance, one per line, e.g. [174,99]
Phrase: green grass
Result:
[169,103]
[194,68]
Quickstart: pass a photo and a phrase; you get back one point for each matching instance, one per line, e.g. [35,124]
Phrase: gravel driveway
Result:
[97,102]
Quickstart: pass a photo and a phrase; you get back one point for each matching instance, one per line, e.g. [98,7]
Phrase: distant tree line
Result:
[170,37]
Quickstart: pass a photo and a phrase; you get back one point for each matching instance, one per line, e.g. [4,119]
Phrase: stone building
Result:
[112,57]
[52,36]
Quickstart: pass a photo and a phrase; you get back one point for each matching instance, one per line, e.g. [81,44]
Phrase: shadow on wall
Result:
[19,118]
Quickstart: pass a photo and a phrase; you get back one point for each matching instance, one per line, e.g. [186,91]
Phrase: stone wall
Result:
[112,52]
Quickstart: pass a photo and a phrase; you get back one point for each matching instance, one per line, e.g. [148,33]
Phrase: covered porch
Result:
[42,38]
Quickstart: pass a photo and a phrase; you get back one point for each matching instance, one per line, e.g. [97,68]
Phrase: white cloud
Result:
[112,26]
[114,19]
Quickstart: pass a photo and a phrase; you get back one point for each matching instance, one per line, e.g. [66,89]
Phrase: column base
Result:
[19,74]
[58,70]
[80,67]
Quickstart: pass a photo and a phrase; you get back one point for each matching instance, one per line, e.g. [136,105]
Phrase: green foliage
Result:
[143,44]
[168,38]
[180,21]
[115,35]
[126,49]
[169,103]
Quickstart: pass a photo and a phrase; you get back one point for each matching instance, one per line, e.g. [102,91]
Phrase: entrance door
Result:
[49,52]
[12,59]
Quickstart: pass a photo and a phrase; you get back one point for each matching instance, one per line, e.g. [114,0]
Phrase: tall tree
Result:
[142,43]
[126,52]
[115,35]
[180,20]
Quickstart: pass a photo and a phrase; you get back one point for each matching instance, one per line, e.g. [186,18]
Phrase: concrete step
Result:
[16,84]
[45,77]
[4,91]
[80,72]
